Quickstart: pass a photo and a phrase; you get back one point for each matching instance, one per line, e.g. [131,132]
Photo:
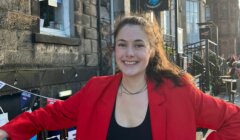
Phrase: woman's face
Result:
[132,50]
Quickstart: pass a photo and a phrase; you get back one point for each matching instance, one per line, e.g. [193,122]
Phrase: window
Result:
[166,19]
[207,13]
[56,17]
[192,18]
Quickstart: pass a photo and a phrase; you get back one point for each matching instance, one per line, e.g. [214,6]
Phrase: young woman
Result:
[149,99]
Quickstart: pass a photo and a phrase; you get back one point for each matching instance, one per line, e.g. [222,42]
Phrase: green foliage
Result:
[197,65]
[215,72]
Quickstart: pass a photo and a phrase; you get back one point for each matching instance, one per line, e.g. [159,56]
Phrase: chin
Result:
[132,74]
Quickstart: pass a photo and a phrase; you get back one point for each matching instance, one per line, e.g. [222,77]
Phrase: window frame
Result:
[67,19]
[191,26]
[72,40]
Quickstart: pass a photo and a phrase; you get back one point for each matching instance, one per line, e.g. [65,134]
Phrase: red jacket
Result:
[175,113]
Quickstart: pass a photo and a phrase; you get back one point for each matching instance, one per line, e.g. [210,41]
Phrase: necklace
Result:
[126,91]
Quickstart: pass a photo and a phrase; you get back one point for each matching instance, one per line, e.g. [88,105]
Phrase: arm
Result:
[3,134]
[61,114]
[217,115]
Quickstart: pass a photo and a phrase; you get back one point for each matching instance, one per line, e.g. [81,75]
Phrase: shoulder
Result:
[184,83]
[104,80]
[187,87]
[184,95]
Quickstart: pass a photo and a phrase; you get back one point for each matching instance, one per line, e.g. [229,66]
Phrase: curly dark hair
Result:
[159,67]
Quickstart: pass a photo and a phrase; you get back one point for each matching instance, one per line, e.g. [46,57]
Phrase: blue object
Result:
[153,2]
[25,100]
[34,138]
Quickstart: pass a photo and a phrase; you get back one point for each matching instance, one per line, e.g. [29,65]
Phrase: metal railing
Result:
[203,60]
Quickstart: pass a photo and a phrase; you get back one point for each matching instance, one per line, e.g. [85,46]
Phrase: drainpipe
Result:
[100,64]
[176,32]
[112,37]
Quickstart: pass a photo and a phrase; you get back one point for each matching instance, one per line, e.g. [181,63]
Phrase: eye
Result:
[121,45]
[139,45]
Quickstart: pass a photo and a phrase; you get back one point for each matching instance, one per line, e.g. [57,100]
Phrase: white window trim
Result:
[67,23]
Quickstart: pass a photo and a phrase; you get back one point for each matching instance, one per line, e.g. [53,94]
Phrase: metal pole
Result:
[176,32]
[100,63]
[207,65]
[112,38]
[217,39]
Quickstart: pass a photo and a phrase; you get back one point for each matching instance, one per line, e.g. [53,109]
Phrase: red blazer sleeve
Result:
[218,115]
[61,114]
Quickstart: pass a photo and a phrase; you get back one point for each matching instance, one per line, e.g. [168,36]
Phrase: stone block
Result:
[8,39]
[25,46]
[60,58]
[3,19]
[50,49]
[94,2]
[20,21]
[15,5]
[92,60]
[86,20]
[90,33]
[87,46]
[77,5]
[25,40]
[23,57]
[79,31]
[2,57]
[81,49]
[89,9]
[24,36]
[94,22]
[40,47]
[94,46]
[77,18]
[65,56]
[74,58]
[81,60]
[41,58]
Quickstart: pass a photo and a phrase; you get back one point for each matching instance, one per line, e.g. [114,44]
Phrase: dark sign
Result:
[158,5]
[204,33]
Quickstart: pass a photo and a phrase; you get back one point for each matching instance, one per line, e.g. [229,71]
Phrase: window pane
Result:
[195,7]
[46,13]
[187,6]
[52,16]
[192,18]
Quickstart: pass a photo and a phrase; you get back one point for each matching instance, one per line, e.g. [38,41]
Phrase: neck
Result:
[133,83]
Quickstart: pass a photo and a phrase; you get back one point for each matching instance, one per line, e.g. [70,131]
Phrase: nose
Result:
[130,51]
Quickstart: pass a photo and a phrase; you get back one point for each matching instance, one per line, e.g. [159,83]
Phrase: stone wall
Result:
[19,50]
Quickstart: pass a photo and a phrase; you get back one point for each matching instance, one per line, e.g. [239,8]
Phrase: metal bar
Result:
[207,66]
[176,33]
[100,63]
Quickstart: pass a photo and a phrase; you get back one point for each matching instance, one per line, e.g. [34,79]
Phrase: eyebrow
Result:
[138,40]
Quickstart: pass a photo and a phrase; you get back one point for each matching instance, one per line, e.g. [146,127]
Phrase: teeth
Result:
[130,62]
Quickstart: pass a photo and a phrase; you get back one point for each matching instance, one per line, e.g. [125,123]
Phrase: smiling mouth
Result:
[130,62]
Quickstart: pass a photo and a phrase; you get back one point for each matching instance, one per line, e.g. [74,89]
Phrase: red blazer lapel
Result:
[156,106]
[158,113]
[105,108]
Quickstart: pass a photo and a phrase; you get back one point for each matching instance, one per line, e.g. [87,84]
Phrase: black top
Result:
[141,132]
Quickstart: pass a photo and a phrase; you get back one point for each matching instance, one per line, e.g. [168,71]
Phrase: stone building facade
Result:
[32,60]
[48,63]
[225,14]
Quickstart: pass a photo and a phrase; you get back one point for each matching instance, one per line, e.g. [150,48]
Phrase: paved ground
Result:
[224,96]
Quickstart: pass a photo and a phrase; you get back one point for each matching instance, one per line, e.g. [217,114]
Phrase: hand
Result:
[3,134]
